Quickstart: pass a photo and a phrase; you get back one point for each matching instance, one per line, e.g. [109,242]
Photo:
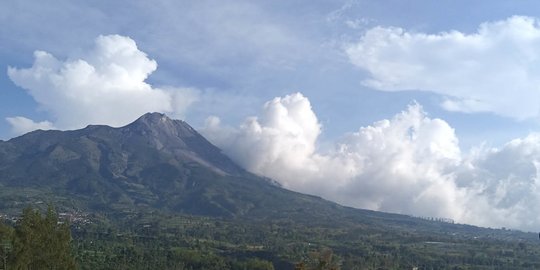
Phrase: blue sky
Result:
[217,47]
[463,76]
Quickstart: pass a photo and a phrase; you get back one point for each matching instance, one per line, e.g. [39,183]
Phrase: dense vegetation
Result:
[163,241]
[211,243]
[36,242]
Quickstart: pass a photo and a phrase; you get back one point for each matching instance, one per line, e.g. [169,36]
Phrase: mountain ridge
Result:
[154,162]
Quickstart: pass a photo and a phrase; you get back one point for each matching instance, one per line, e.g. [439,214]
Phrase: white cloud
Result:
[286,133]
[496,69]
[410,153]
[506,182]
[103,86]
[409,164]
[20,125]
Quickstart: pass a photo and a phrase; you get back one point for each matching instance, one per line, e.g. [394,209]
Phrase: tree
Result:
[42,242]
[323,260]
[254,264]
[6,239]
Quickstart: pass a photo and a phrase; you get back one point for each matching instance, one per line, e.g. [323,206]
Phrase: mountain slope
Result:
[159,164]
[158,181]
[152,163]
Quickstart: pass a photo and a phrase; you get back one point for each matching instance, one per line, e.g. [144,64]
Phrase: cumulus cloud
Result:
[495,69]
[103,86]
[286,132]
[408,164]
[410,153]
[506,184]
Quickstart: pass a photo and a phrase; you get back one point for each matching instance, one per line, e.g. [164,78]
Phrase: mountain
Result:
[160,193]
[154,163]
